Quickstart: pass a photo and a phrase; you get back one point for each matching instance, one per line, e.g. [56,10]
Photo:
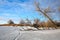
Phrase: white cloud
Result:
[6,14]
[15,5]
[15,8]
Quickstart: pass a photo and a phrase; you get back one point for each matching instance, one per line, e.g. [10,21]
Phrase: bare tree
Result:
[36,23]
[22,21]
[28,21]
[58,9]
[44,12]
[10,22]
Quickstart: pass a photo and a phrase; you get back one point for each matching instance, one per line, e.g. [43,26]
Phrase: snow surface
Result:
[15,33]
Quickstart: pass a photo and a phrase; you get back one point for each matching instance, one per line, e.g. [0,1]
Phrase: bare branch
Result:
[39,10]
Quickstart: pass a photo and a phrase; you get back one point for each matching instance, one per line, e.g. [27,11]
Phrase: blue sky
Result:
[22,9]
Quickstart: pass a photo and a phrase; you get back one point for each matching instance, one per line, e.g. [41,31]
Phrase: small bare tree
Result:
[10,22]
[22,22]
[36,23]
[28,22]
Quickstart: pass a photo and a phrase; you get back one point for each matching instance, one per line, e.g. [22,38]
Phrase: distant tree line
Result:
[36,23]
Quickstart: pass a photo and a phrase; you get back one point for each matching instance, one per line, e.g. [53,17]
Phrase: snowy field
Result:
[15,33]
